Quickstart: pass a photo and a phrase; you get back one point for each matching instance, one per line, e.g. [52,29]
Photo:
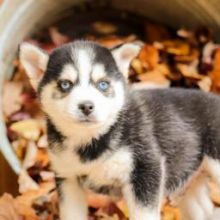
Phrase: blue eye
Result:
[65,85]
[103,85]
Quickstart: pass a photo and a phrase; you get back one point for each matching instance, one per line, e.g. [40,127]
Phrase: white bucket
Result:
[19,18]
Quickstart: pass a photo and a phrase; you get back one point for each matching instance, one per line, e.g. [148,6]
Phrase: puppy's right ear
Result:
[34,61]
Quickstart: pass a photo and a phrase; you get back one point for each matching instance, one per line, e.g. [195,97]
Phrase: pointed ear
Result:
[34,61]
[124,54]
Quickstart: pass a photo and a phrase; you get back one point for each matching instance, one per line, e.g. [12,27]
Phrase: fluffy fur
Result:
[144,144]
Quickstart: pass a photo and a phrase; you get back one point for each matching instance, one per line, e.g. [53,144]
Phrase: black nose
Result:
[86,107]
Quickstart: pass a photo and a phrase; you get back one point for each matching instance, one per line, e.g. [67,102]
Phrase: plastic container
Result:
[19,18]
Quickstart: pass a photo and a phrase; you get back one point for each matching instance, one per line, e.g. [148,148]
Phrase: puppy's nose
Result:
[86,107]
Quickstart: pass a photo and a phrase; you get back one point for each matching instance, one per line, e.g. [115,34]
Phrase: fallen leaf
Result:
[8,208]
[136,64]
[155,77]
[104,27]
[113,41]
[29,129]
[177,47]
[11,97]
[97,200]
[26,183]
[149,57]
[205,84]
[58,38]
[42,142]
[155,32]
[214,192]
[171,213]
[189,71]
[30,156]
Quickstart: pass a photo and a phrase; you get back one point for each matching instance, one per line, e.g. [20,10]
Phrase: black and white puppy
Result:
[143,144]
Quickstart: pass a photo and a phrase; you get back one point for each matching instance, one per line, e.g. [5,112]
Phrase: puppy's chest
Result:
[103,173]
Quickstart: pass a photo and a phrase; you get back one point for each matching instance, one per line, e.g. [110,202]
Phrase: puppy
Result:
[139,144]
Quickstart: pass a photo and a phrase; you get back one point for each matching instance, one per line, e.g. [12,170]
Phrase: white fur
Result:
[212,167]
[66,115]
[73,205]
[195,203]
[136,211]
[84,67]
[69,73]
[104,170]
[98,72]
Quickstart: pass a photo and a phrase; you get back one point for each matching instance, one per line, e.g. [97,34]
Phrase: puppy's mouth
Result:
[87,119]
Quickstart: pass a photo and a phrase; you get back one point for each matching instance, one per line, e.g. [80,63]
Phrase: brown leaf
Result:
[97,200]
[30,156]
[155,32]
[26,183]
[58,38]
[149,57]
[189,71]
[155,77]
[11,97]
[215,73]
[177,47]
[205,84]
[104,27]
[171,213]
[8,208]
[214,192]
[29,129]
[113,41]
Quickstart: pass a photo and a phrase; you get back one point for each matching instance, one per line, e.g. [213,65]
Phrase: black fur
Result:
[53,134]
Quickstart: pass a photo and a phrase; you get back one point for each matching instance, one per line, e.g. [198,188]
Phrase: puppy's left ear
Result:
[34,61]
[124,54]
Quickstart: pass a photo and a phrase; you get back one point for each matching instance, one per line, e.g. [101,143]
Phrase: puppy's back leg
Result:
[195,203]
[212,167]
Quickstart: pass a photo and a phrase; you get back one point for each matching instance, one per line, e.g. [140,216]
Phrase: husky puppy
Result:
[143,145]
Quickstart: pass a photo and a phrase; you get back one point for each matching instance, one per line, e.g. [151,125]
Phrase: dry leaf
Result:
[26,183]
[171,213]
[30,156]
[177,47]
[12,97]
[47,175]
[155,77]
[113,41]
[215,73]
[58,38]
[205,84]
[189,71]
[104,27]
[155,32]
[136,64]
[42,142]
[29,129]
[8,208]
[214,192]
[149,57]
[97,200]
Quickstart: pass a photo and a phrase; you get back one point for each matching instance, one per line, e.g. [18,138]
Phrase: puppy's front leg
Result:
[72,201]
[144,193]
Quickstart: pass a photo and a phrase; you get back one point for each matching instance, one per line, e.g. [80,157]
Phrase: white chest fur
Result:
[110,167]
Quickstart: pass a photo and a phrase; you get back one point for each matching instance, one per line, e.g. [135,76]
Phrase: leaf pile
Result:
[182,59]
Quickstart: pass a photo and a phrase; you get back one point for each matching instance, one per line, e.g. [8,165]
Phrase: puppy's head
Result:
[80,83]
